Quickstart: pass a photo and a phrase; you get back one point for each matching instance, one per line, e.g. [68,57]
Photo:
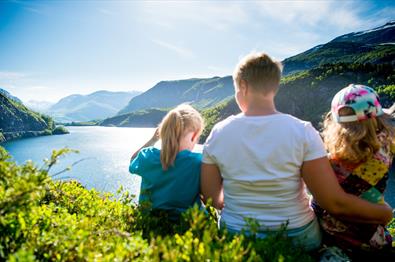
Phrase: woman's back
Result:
[260,159]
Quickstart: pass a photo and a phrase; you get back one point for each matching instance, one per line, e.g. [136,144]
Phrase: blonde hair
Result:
[174,125]
[259,71]
[355,142]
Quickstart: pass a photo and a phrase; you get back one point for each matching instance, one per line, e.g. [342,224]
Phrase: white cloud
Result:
[215,15]
[8,75]
[345,14]
[184,52]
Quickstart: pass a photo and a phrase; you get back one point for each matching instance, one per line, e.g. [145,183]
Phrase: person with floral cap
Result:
[360,141]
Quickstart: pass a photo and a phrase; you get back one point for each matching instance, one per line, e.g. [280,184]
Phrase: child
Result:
[171,175]
[256,164]
[360,142]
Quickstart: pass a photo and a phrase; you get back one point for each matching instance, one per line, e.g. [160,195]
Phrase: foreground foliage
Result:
[47,220]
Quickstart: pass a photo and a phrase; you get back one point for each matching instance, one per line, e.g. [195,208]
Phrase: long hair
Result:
[355,142]
[173,127]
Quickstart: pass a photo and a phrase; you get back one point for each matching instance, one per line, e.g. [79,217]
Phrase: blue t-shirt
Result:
[174,189]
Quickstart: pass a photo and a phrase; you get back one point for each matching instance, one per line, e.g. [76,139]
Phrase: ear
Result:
[243,87]
[195,136]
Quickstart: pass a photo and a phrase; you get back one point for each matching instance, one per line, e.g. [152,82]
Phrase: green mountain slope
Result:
[371,46]
[201,93]
[308,94]
[17,121]
[142,118]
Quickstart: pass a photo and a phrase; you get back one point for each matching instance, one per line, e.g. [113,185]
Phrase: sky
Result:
[51,49]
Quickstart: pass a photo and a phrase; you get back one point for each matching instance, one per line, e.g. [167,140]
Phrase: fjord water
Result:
[104,153]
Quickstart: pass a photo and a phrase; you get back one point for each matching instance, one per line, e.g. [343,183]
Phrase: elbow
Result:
[218,205]
[336,208]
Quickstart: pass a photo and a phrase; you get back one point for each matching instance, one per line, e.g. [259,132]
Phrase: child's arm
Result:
[390,110]
[211,185]
[322,183]
[150,142]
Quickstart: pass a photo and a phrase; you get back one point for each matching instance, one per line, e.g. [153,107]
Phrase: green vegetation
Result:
[17,121]
[2,138]
[217,113]
[46,220]
[141,118]
[60,130]
[200,93]
[87,123]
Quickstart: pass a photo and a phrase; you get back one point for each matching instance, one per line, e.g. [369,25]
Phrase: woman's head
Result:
[259,71]
[351,128]
[181,123]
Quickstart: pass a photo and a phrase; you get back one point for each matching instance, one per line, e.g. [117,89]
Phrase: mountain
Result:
[308,94]
[98,105]
[7,94]
[17,121]
[201,93]
[309,83]
[374,46]
[143,118]
[39,106]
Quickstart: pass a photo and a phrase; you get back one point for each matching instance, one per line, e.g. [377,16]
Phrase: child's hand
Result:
[155,137]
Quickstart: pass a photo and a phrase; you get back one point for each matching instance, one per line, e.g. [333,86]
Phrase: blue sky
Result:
[50,49]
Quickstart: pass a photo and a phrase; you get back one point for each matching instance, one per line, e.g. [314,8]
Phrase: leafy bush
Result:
[59,130]
[48,220]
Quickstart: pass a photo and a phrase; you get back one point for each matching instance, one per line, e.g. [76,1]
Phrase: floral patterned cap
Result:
[362,99]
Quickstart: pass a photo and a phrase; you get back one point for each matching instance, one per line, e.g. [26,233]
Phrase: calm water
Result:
[105,152]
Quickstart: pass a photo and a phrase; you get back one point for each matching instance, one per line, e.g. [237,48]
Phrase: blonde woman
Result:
[360,142]
[171,175]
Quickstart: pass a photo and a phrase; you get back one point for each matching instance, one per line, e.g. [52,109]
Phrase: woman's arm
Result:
[211,185]
[322,183]
[150,142]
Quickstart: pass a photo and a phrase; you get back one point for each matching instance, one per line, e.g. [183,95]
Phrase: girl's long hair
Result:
[356,142]
[173,127]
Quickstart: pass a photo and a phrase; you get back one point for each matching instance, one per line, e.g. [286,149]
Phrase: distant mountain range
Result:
[309,83]
[310,80]
[98,105]
[201,93]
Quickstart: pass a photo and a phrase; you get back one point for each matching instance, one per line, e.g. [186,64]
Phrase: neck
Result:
[186,142]
[259,105]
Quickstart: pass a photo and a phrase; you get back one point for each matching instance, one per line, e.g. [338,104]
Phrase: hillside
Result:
[374,46]
[201,93]
[17,121]
[308,94]
[98,105]
[143,118]
[7,94]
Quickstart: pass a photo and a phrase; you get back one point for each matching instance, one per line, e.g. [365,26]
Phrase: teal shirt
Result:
[174,189]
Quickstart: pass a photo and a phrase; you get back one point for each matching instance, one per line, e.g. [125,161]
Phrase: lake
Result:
[105,153]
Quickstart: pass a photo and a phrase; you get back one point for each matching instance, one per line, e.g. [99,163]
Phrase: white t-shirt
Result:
[260,159]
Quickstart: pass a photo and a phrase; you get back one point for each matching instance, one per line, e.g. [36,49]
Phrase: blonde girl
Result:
[171,175]
[360,142]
